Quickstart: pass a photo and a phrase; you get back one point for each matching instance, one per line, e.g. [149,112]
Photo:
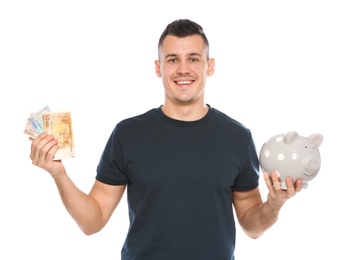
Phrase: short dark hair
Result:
[183,28]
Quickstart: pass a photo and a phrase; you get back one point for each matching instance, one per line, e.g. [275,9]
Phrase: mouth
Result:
[308,175]
[184,82]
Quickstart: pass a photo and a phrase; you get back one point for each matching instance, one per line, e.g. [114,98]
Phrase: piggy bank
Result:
[292,155]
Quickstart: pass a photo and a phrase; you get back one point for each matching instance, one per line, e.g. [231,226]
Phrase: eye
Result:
[173,60]
[193,60]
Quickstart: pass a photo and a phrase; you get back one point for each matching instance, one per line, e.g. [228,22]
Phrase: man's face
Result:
[183,66]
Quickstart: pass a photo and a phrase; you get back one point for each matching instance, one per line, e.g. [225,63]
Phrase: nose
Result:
[312,164]
[183,67]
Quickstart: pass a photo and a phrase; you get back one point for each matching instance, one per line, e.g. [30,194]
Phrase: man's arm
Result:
[90,211]
[256,217]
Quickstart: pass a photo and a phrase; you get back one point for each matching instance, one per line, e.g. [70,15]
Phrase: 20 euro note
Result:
[60,125]
[36,120]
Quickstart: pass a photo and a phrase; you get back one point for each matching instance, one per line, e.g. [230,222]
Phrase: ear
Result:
[290,137]
[317,138]
[211,66]
[157,68]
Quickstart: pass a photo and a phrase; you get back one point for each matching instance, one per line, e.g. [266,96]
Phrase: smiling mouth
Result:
[308,175]
[184,82]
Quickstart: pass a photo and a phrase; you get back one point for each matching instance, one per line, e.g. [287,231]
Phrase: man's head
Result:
[183,28]
[183,63]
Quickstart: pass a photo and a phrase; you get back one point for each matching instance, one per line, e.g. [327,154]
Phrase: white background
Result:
[280,66]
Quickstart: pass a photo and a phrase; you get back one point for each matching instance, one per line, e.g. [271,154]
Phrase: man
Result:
[185,165]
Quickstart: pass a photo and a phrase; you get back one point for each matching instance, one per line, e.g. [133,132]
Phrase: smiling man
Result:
[187,167]
[184,66]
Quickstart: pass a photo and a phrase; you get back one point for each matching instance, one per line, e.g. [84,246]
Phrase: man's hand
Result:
[43,149]
[278,196]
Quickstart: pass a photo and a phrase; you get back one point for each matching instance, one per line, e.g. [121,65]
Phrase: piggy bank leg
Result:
[284,186]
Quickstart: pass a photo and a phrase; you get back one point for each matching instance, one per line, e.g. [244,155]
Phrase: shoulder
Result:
[227,122]
[138,120]
[138,125]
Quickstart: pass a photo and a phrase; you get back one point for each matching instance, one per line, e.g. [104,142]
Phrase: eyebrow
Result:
[175,55]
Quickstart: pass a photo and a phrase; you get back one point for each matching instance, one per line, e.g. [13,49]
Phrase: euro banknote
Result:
[36,120]
[57,123]
[60,125]
[29,130]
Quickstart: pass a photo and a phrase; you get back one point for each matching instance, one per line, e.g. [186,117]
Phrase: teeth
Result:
[183,82]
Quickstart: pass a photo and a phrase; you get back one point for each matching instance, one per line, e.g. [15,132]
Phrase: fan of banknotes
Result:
[57,123]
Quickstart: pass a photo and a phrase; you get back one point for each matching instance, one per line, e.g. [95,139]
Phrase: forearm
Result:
[84,209]
[256,217]
[259,219]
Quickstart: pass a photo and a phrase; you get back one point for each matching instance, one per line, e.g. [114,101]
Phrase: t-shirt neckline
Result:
[177,122]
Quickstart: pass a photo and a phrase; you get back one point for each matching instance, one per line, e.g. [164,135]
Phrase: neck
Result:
[185,112]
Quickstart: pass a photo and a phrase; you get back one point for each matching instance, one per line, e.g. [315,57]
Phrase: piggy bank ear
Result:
[317,138]
[290,137]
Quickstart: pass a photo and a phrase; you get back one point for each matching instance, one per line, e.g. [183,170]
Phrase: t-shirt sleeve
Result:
[110,169]
[248,178]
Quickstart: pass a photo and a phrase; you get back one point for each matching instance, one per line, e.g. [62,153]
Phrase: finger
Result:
[38,144]
[290,187]
[48,150]
[35,143]
[41,148]
[298,185]
[275,180]
[268,181]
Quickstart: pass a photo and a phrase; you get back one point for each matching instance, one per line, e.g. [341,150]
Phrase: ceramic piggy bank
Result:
[292,155]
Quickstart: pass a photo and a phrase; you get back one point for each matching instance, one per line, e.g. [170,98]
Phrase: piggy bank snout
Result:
[312,164]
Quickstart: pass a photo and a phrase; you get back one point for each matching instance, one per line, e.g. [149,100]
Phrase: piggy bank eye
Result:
[312,147]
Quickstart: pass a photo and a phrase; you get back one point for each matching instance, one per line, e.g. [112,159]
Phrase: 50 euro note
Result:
[60,125]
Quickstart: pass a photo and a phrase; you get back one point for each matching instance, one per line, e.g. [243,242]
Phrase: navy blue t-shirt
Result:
[180,176]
